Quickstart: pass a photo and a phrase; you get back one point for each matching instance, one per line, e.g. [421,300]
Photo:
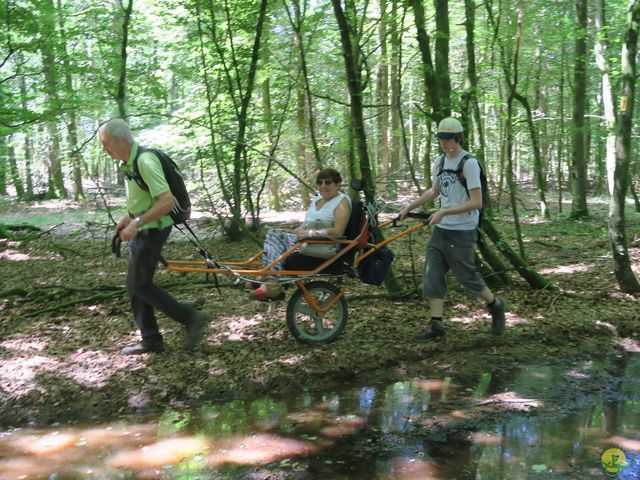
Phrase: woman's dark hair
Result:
[329,174]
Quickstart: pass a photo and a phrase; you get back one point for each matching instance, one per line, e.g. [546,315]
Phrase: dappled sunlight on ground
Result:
[629,345]
[236,329]
[567,269]
[607,326]
[18,375]
[90,368]
[286,360]
[15,256]
[55,204]
[25,344]
[481,316]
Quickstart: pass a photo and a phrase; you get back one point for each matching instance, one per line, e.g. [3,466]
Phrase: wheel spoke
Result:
[317,319]
[306,309]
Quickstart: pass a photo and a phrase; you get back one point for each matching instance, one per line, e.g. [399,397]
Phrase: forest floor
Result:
[65,316]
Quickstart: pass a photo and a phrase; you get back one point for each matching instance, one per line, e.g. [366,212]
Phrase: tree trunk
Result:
[4,164]
[498,269]
[469,101]
[49,41]
[601,46]
[533,278]
[560,136]
[356,90]
[430,78]
[382,94]
[76,158]
[121,95]
[442,58]
[578,176]
[396,139]
[296,24]
[617,235]
[301,145]
[274,184]
[511,77]
[22,85]
[243,118]
[14,173]
[541,184]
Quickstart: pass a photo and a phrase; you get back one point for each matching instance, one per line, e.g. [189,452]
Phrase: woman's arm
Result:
[341,219]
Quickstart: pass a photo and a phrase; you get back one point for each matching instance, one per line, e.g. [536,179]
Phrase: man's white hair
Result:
[117,127]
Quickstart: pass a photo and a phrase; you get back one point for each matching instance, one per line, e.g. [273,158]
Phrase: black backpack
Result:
[374,269]
[175,179]
[459,172]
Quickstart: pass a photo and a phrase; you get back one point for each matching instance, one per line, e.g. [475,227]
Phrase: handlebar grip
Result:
[419,215]
[425,217]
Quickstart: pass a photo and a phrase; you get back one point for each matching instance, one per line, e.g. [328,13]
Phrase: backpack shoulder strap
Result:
[461,163]
[460,169]
[441,165]
[137,176]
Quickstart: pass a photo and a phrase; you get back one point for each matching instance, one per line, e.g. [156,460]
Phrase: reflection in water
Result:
[446,428]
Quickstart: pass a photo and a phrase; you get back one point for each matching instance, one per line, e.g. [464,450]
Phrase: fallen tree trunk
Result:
[533,278]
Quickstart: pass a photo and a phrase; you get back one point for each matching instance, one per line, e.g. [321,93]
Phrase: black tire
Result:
[306,324]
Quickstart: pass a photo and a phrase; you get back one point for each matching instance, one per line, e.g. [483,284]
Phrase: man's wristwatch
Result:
[138,221]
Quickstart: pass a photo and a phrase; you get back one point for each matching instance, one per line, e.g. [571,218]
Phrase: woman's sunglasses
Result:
[324,182]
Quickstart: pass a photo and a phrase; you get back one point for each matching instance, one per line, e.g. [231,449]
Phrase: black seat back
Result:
[354,226]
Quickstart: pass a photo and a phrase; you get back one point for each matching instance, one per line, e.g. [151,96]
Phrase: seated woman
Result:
[331,208]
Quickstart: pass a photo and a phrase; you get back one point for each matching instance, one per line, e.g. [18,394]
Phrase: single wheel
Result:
[310,326]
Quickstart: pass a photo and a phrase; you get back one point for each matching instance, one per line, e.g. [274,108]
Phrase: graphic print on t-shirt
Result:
[447,181]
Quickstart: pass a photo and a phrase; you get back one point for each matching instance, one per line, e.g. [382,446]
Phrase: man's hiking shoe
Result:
[434,332]
[497,316]
[194,330]
[140,348]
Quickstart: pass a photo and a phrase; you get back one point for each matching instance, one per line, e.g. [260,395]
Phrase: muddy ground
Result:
[65,316]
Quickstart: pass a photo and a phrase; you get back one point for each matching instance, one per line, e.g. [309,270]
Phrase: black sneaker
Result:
[434,332]
[497,316]
[140,348]
[194,330]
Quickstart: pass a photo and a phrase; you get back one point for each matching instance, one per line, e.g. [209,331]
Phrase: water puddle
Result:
[460,426]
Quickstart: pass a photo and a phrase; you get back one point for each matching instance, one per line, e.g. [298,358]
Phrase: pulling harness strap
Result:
[195,241]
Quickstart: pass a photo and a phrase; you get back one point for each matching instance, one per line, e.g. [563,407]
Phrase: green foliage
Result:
[187,71]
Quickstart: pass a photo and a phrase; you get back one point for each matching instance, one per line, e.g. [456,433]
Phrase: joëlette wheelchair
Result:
[317,309]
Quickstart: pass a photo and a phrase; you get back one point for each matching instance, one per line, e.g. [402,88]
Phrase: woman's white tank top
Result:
[327,212]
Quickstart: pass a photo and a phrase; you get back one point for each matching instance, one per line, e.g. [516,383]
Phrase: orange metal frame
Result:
[254,268]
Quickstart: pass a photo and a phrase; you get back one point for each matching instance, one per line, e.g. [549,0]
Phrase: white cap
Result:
[448,127]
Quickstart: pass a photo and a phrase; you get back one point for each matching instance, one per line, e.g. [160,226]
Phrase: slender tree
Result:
[578,175]
[617,234]
[355,84]
[121,94]
[395,68]
[72,116]
[382,94]
[297,20]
